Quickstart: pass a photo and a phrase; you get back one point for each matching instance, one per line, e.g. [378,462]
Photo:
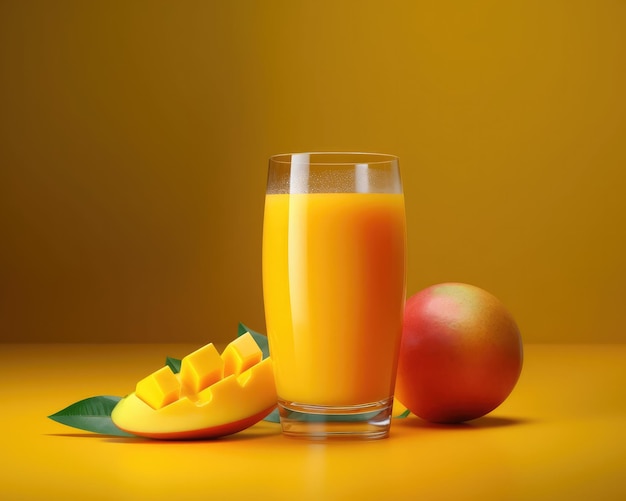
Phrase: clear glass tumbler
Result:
[334,245]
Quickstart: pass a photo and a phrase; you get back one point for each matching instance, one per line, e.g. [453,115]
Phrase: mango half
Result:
[213,395]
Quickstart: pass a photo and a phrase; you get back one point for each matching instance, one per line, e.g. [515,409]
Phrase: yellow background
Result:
[134,139]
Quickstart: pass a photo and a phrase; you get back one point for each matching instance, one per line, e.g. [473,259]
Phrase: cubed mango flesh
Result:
[201,368]
[240,355]
[159,388]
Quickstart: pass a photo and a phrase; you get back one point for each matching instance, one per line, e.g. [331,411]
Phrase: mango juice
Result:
[334,291]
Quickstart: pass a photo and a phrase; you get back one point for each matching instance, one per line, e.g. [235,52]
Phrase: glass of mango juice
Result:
[334,285]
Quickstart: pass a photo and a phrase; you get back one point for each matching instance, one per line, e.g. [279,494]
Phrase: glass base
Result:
[317,422]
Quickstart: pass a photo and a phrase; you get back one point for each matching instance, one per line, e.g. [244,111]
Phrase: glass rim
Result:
[359,157]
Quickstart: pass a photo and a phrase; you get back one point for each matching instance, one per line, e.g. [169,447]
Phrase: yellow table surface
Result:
[560,435]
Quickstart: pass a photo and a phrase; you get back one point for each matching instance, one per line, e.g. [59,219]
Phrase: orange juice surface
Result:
[334,290]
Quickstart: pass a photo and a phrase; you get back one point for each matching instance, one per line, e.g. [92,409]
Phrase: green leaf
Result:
[273,417]
[260,339]
[91,414]
[403,415]
[173,363]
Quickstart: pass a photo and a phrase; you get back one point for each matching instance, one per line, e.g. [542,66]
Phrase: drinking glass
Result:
[334,245]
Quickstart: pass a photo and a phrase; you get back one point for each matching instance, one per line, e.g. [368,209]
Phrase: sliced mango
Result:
[216,395]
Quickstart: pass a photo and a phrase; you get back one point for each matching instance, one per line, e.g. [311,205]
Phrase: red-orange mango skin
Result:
[461,353]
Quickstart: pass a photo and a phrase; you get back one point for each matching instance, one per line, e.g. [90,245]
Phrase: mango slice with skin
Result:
[225,405]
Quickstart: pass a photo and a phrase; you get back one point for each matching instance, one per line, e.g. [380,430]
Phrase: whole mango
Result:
[461,353]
